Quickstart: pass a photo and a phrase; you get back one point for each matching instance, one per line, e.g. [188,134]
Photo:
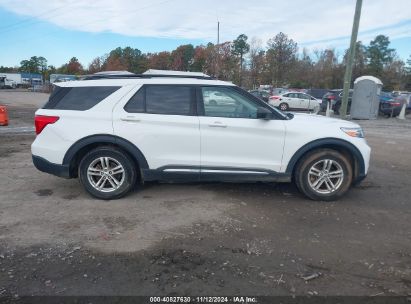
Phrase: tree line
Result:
[249,63]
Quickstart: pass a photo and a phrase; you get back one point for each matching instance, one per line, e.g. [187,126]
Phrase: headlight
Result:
[353,132]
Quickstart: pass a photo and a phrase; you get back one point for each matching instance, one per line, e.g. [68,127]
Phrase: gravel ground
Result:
[208,239]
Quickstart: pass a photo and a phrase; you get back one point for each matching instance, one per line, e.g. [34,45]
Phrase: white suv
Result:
[113,131]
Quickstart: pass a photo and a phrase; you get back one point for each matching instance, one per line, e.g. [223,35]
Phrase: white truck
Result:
[9,80]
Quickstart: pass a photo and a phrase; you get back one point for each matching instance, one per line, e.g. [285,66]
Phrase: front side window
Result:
[226,102]
[78,98]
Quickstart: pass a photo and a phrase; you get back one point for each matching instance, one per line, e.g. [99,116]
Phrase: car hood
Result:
[313,119]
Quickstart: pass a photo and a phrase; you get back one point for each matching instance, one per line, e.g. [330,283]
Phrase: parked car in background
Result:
[399,93]
[390,105]
[264,95]
[317,93]
[216,98]
[278,91]
[401,99]
[335,98]
[294,101]
[408,109]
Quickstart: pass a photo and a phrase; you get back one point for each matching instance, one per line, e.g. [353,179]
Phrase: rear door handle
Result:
[217,124]
[130,119]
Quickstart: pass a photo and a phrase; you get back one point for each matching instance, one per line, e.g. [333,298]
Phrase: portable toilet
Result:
[365,99]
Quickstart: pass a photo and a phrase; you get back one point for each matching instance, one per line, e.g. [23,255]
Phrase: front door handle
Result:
[217,124]
[130,119]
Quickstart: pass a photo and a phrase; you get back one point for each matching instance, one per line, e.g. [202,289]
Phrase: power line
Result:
[24,22]
[31,18]
[91,22]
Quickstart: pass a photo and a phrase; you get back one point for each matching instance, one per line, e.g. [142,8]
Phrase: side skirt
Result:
[191,174]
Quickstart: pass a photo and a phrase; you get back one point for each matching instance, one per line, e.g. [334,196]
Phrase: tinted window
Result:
[226,102]
[136,103]
[173,100]
[78,98]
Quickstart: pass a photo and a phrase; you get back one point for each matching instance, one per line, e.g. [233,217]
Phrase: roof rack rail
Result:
[132,76]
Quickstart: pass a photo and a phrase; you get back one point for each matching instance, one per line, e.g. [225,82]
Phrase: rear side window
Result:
[78,98]
[163,99]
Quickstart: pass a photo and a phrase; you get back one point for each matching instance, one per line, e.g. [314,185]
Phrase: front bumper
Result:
[51,168]
[359,179]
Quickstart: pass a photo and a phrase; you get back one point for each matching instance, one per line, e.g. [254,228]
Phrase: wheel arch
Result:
[81,147]
[340,145]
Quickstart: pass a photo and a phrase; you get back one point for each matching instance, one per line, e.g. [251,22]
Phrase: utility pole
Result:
[350,61]
[218,50]
[218,32]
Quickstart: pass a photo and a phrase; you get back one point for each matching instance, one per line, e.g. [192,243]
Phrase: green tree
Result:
[74,67]
[160,61]
[360,65]
[256,62]
[4,69]
[239,48]
[182,57]
[281,58]
[408,66]
[127,58]
[34,65]
[379,54]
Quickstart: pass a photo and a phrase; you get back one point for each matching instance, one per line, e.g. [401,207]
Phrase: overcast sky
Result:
[61,29]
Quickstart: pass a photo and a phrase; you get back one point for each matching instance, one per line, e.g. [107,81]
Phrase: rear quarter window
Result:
[78,98]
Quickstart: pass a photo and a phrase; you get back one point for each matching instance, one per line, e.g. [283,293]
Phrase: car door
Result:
[294,101]
[304,101]
[161,121]
[233,139]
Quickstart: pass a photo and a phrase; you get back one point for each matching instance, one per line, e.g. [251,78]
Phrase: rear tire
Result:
[323,175]
[107,173]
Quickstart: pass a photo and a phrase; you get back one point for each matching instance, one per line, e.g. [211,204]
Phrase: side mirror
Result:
[264,113]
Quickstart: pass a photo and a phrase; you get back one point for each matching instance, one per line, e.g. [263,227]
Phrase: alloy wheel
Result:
[105,174]
[325,176]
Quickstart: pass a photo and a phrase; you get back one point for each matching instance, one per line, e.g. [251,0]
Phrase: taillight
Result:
[331,97]
[274,97]
[395,104]
[41,121]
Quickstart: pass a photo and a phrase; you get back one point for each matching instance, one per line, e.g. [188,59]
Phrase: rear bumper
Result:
[388,111]
[51,168]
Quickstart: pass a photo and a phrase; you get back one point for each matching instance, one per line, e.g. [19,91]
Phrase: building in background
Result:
[17,80]
[31,79]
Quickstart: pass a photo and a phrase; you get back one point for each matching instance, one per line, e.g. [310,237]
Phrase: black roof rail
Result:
[133,76]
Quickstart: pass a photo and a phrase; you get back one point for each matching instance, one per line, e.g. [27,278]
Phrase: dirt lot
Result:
[210,239]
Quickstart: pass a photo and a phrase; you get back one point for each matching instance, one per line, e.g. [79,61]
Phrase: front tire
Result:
[323,175]
[107,173]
